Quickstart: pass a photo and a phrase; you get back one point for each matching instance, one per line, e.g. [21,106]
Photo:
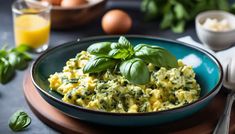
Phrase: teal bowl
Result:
[208,71]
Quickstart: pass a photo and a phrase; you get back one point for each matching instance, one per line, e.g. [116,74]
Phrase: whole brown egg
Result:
[116,22]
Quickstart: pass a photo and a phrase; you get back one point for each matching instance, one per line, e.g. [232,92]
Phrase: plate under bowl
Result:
[208,71]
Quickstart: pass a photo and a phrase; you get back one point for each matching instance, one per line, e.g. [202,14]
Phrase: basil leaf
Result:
[135,71]
[139,46]
[223,5]
[19,121]
[22,48]
[179,11]
[156,55]
[119,53]
[17,60]
[123,43]
[121,50]
[120,46]
[99,64]
[6,71]
[101,48]
[173,12]
[178,27]
[26,56]
[167,15]
[167,20]
[150,8]
[3,53]
[232,9]
[12,59]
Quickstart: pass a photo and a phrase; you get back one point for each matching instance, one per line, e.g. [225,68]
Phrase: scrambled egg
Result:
[110,91]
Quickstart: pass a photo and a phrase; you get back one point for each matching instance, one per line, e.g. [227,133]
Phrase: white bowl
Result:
[213,39]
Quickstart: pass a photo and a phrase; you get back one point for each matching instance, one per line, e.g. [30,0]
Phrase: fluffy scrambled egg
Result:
[110,91]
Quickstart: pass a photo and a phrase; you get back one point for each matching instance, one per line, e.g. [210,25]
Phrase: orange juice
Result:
[32,30]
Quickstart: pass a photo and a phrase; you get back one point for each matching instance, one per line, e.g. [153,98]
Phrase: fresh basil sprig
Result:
[133,61]
[175,14]
[19,121]
[12,59]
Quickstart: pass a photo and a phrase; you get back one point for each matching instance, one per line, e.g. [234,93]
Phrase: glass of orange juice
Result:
[32,24]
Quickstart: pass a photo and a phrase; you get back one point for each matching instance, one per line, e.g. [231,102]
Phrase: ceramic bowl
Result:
[215,40]
[73,17]
[207,68]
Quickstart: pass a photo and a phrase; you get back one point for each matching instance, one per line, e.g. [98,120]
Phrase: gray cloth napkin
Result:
[223,56]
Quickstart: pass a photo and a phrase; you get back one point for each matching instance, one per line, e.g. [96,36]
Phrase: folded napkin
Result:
[223,56]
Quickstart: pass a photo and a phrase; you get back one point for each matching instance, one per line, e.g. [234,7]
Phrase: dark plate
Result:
[207,68]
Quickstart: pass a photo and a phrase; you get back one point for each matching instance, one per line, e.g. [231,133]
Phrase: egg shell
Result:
[72,3]
[54,2]
[116,22]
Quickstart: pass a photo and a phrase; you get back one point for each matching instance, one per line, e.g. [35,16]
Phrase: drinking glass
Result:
[31,21]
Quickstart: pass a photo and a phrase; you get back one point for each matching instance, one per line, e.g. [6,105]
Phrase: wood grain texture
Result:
[202,122]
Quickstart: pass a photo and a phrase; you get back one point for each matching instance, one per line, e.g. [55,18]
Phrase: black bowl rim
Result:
[212,93]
